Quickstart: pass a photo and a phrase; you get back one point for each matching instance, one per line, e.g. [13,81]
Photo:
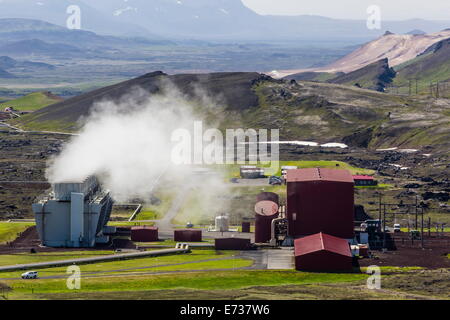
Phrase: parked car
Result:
[30,275]
[397,227]
[274,180]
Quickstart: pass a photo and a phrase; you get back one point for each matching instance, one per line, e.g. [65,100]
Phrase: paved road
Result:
[280,259]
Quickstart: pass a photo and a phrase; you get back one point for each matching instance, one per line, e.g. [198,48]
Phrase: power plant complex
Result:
[317,219]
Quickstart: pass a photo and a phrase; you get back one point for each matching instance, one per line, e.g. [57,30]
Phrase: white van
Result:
[30,275]
[397,227]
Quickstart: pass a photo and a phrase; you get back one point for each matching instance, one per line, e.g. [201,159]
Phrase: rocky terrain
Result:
[397,48]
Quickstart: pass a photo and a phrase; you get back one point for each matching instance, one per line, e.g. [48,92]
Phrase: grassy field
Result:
[196,260]
[233,171]
[22,258]
[32,102]
[219,280]
[10,230]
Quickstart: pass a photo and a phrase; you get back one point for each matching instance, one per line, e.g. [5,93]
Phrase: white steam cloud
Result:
[127,145]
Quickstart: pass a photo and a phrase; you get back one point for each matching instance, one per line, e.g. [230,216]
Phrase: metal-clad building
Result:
[232,244]
[144,234]
[322,252]
[73,214]
[187,235]
[320,200]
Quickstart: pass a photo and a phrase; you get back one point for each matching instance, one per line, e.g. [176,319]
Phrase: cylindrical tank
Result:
[245,227]
[269,196]
[222,224]
[265,211]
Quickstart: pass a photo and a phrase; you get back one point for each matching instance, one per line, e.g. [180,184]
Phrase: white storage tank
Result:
[222,223]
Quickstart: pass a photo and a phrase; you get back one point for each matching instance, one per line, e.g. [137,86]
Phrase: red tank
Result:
[245,227]
[270,196]
[265,211]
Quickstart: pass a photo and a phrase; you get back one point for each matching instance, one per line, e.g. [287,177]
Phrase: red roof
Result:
[363,178]
[143,228]
[319,174]
[322,242]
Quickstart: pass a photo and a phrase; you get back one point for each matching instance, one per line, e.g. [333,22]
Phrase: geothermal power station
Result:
[73,214]
[316,221]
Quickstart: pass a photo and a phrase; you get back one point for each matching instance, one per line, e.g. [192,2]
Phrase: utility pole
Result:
[379,208]
[429,226]
[384,227]
[416,224]
[410,87]
[421,231]
[437,89]
[417,86]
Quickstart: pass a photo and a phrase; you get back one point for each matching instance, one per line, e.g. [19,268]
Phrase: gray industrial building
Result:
[73,214]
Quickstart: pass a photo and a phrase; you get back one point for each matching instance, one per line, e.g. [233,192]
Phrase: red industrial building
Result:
[188,235]
[232,244]
[266,211]
[320,200]
[322,252]
[144,234]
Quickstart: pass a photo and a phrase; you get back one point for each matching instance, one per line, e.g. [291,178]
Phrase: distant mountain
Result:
[431,66]
[416,32]
[212,20]
[39,48]
[6,75]
[375,76]
[395,47]
[10,63]
[15,29]
[55,11]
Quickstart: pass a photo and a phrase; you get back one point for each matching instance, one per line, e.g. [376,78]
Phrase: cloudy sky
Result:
[355,9]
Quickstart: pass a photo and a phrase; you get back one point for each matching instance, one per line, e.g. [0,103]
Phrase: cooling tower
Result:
[73,214]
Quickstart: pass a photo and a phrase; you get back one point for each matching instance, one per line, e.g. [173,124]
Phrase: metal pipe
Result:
[273,240]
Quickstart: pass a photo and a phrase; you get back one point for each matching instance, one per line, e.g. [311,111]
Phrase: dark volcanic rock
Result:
[440,196]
